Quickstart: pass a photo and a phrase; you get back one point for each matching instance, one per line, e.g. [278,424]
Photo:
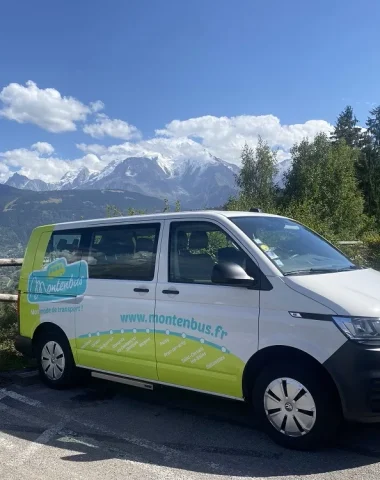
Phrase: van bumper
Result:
[355,369]
[24,345]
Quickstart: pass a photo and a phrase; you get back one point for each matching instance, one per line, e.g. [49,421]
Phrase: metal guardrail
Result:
[350,242]
[8,297]
[10,262]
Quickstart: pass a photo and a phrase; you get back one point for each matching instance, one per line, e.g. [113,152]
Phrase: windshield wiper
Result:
[351,267]
[311,271]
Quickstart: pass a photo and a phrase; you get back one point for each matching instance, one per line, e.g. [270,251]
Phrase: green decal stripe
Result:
[33,259]
[182,361]
[164,332]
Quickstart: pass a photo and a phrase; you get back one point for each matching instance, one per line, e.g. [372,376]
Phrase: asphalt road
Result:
[105,431]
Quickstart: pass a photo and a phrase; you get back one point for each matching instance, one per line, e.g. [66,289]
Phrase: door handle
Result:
[170,292]
[141,290]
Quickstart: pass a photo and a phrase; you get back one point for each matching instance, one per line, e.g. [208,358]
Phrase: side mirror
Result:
[228,273]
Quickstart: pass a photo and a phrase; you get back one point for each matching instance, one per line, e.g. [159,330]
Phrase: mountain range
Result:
[141,183]
[196,183]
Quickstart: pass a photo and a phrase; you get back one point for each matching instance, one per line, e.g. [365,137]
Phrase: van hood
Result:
[354,293]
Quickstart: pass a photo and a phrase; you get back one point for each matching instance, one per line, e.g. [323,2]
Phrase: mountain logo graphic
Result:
[58,281]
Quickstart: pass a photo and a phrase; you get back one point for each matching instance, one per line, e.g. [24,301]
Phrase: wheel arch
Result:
[44,328]
[281,353]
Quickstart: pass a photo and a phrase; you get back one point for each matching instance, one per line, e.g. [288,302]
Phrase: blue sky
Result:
[151,62]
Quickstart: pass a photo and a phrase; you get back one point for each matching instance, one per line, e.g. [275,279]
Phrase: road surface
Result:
[103,431]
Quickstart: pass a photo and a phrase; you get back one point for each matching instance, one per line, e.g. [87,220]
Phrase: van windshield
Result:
[293,248]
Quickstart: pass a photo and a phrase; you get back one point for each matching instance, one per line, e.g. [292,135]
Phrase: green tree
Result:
[177,206]
[302,180]
[256,177]
[346,128]
[373,124]
[166,206]
[368,168]
[321,189]
[113,211]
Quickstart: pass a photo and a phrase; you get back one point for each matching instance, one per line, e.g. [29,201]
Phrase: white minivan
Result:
[247,306]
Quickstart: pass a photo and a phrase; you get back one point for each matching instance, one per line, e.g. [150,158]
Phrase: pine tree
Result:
[346,128]
[373,125]
[368,168]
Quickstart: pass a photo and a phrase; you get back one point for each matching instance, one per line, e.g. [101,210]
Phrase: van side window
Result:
[196,247]
[125,252]
[64,244]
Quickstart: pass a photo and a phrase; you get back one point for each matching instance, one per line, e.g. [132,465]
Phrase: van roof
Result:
[162,216]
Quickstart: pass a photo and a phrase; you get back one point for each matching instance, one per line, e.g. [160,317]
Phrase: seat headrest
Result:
[182,240]
[198,240]
[144,245]
[114,243]
[62,244]
[230,254]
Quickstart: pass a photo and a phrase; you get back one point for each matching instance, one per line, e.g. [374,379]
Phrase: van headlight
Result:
[360,329]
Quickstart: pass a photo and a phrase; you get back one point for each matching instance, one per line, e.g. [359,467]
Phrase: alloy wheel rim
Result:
[290,407]
[53,360]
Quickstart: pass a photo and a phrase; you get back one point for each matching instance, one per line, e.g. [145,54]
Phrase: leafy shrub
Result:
[8,317]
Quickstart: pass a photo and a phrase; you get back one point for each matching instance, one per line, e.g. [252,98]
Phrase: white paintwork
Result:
[350,293]
[234,309]
[105,301]
[277,327]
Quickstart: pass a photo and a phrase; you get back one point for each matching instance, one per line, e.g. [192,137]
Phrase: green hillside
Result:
[21,210]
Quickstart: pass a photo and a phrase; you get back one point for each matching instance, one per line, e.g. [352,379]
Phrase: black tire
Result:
[65,372]
[325,416]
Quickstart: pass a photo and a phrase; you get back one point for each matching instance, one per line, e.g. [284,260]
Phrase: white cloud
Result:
[195,138]
[105,126]
[46,108]
[90,160]
[167,150]
[225,136]
[43,148]
[38,162]
[34,164]
[4,172]
[97,106]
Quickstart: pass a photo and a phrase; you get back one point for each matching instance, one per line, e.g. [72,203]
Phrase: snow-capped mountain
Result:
[283,167]
[196,182]
[73,179]
[25,183]
[201,182]
[17,181]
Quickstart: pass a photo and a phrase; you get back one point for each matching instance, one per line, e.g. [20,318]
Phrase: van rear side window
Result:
[64,244]
[125,252]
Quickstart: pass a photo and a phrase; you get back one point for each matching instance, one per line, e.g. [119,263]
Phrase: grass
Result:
[10,359]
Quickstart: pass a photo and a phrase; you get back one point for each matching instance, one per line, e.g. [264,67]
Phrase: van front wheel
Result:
[296,406]
[55,360]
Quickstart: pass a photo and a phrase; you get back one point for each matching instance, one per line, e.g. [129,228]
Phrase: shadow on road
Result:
[187,431]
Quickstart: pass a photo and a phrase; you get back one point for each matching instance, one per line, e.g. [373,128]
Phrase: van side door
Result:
[205,332]
[115,324]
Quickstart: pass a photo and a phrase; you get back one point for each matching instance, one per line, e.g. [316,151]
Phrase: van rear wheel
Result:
[296,406]
[55,360]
